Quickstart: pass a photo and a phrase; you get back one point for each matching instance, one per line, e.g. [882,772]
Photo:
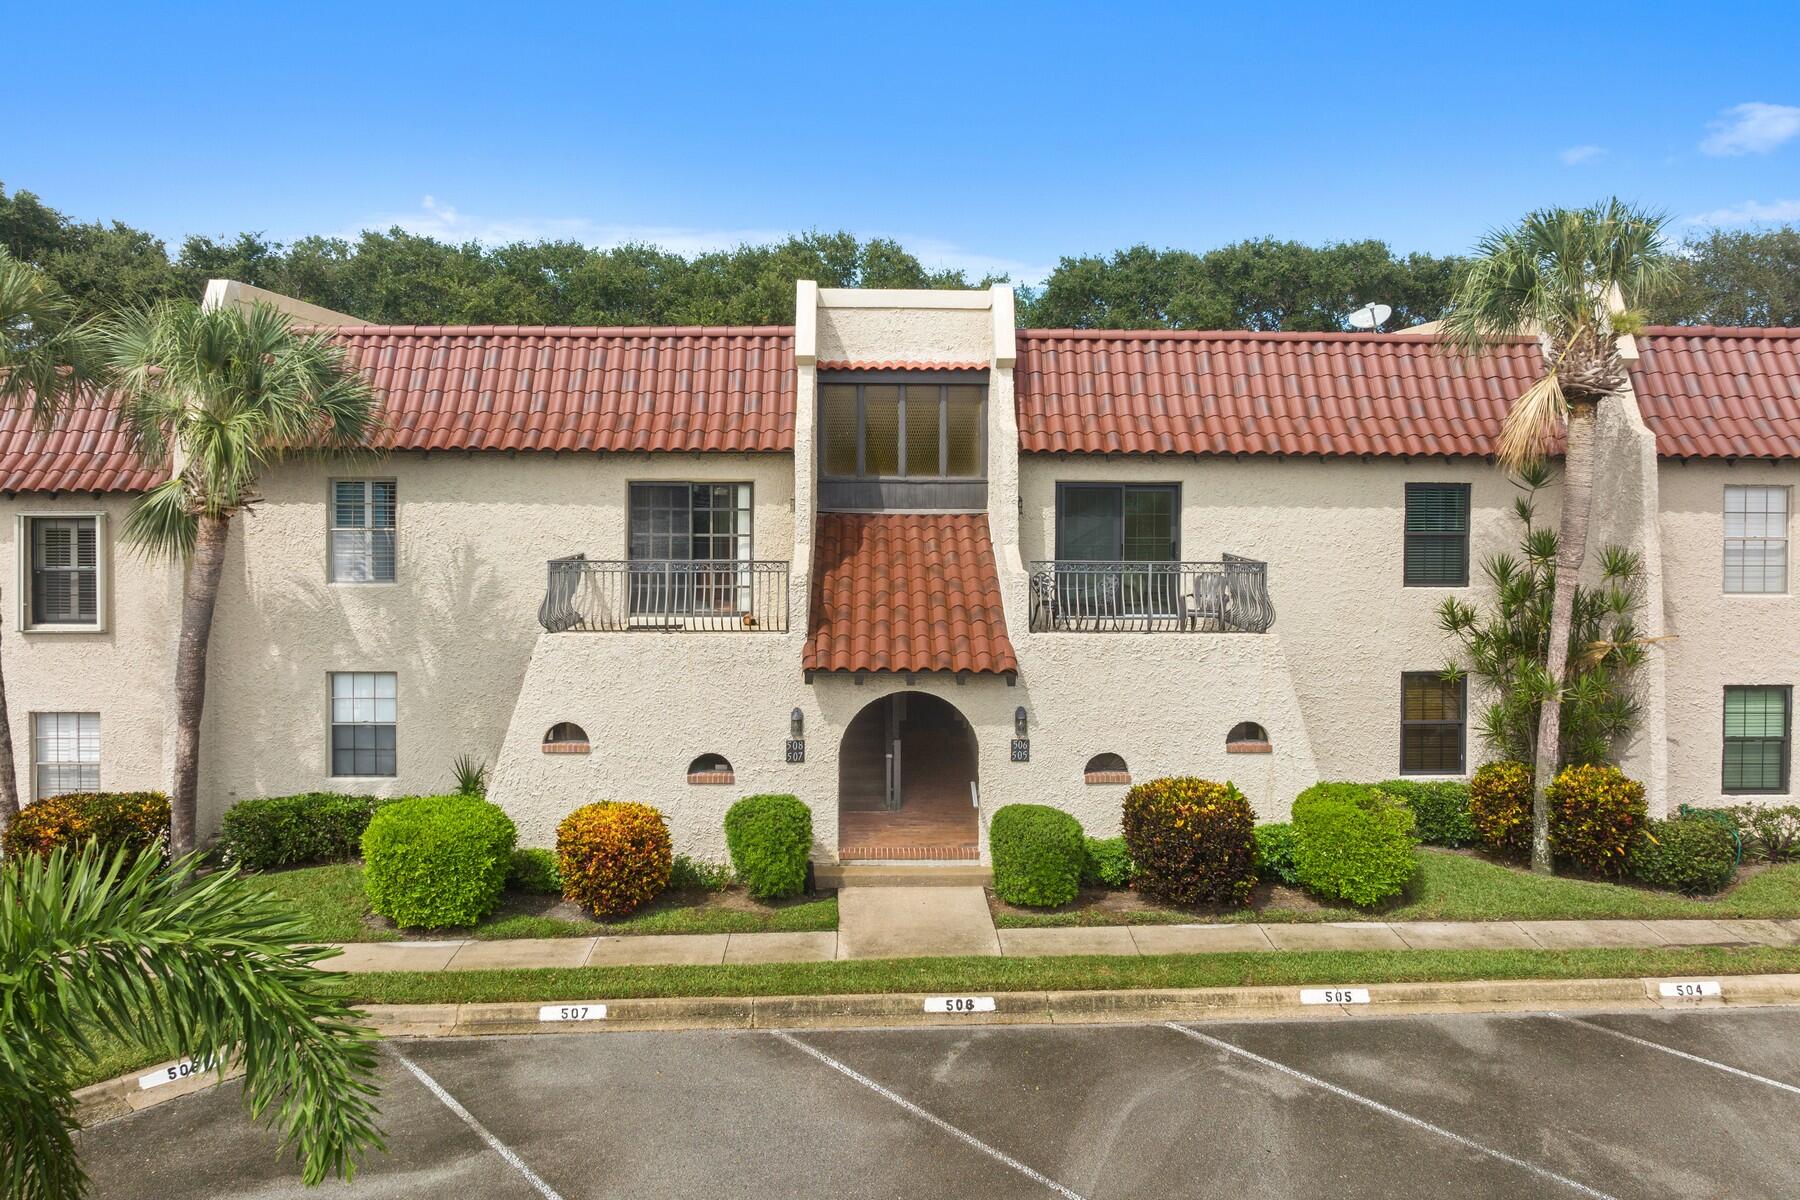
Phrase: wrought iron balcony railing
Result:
[671,595]
[1230,596]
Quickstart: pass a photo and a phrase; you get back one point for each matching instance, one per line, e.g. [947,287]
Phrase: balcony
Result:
[1229,596]
[665,595]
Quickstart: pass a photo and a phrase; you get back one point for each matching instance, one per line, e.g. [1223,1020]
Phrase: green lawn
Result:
[1459,887]
[331,900]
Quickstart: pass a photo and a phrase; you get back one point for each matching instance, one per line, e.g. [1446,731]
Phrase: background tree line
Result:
[1721,278]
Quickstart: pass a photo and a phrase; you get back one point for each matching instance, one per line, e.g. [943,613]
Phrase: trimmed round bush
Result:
[1275,853]
[770,839]
[1038,852]
[1192,841]
[1440,809]
[1597,813]
[1500,807]
[1106,863]
[313,827]
[434,861]
[613,856]
[534,871]
[1353,842]
[1688,854]
[114,821]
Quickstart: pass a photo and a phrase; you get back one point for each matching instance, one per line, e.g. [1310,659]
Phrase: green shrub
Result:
[770,839]
[433,861]
[1275,853]
[280,831]
[1500,808]
[1353,842]
[534,871]
[1597,813]
[698,875]
[1106,862]
[1440,809]
[1192,841]
[1038,854]
[613,856]
[114,820]
[1771,831]
[1688,854]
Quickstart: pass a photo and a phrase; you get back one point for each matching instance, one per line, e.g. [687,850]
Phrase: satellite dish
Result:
[1370,316]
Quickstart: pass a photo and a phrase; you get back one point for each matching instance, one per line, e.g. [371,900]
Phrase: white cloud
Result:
[1753,128]
[1574,156]
[1748,213]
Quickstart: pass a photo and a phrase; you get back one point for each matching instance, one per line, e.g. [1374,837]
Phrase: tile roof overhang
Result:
[906,592]
[84,452]
[1720,393]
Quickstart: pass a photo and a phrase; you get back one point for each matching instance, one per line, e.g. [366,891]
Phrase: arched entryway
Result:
[906,782]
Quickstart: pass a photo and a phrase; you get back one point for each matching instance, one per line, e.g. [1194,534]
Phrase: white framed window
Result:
[65,753]
[62,571]
[364,516]
[1756,537]
[364,713]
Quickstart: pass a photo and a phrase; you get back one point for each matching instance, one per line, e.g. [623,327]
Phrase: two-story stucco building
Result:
[905,561]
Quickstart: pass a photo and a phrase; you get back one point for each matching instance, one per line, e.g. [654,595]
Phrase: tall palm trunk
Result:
[1571,552]
[197,604]
[9,772]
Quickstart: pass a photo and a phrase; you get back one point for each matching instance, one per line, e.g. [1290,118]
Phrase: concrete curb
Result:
[122,1096]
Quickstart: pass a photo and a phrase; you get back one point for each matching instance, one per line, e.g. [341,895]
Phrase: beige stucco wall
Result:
[1719,639]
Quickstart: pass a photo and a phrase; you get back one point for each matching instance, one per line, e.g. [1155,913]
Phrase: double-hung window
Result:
[363,517]
[364,713]
[1116,546]
[1433,724]
[63,587]
[1759,724]
[687,544]
[1756,537]
[65,753]
[1437,535]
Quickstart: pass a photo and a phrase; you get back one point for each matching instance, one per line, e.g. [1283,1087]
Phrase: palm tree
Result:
[208,967]
[46,357]
[224,392]
[1574,279]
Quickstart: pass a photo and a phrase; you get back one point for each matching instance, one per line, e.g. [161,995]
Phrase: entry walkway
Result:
[928,922]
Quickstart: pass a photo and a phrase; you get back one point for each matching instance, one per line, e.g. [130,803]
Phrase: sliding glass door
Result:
[1117,527]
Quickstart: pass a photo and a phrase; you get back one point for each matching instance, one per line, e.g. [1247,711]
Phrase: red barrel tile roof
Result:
[896,364]
[510,387]
[906,592]
[84,453]
[1720,393]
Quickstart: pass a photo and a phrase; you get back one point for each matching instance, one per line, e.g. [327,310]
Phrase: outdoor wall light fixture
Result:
[796,743]
[797,724]
[1019,721]
[1021,744]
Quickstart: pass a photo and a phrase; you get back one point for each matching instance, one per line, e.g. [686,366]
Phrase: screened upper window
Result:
[363,517]
[65,570]
[1756,523]
[1437,535]
[901,430]
[1758,738]
[1431,724]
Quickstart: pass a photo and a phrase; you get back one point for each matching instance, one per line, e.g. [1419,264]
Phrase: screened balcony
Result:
[1080,596]
[665,595]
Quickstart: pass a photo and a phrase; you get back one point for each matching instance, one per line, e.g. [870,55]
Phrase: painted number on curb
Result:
[1334,995]
[181,1070]
[1685,990]
[959,1004]
[572,1012]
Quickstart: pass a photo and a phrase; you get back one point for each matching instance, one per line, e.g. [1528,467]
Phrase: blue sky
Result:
[992,137]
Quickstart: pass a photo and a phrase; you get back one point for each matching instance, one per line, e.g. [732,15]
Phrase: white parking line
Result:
[1707,1062]
[468,1118]
[967,1139]
[1396,1114]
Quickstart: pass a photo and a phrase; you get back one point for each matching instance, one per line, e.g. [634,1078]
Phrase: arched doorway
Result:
[906,782]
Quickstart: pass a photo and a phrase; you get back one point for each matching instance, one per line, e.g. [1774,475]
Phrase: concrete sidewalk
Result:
[952,931]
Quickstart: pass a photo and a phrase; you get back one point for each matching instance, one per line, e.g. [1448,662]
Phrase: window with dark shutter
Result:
[1432,724]
[1758,738]
[65,570]
[1437,535]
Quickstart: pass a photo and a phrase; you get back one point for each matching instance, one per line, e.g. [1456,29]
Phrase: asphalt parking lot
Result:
[1699,1105]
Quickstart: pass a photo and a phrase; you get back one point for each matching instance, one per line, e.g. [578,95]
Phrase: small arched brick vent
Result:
[711,768]
[566,737]
[1248,738]
[1106,768]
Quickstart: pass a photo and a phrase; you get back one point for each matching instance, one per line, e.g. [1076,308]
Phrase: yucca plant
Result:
[226,393]
[210,967]
[471,775]
[1575,280]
